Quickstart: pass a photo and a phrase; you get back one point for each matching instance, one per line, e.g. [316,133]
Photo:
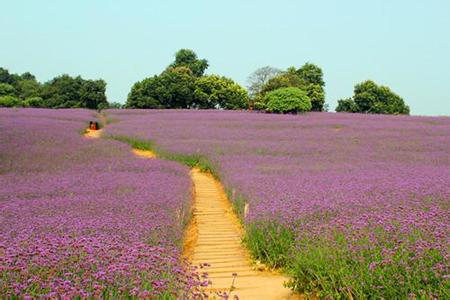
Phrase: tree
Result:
[28,76]
[371,98]
[143,94]
[219,92]
[311,74]
[27,88]
[188,58]
[317,96]
[347,105]
[65,91]
[312,82]
[308,78]
[7,89]
[92,93]
[176,89]
[259,78]
[183,85]
[288,78]
[288,100]
[6,77]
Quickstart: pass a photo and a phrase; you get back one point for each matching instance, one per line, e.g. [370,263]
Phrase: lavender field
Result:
[83,218]
[349,205]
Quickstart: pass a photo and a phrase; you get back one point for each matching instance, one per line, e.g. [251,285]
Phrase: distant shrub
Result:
[10,101]
[287,100]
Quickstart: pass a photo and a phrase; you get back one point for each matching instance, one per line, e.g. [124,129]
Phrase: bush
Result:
[6,89]
[288,100]
[34,102]
[10,101]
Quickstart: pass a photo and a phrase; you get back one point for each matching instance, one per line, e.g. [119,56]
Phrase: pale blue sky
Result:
[402,44]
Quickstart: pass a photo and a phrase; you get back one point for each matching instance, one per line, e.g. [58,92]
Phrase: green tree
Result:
[317,96]
[308,78]
[176,89]
[7,89]
[27,88]
[28,76]
[92,93]
[219,92]
[6,77]
[311,74]
[347,105]
[371,98]
[259,78]
[289,78]
[143,94]
[288,100]
[188,58]
[62,92]
[65,91]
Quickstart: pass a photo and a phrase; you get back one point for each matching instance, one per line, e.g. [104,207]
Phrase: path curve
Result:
[215,237]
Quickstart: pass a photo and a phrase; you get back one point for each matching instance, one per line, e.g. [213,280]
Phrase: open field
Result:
[347,206]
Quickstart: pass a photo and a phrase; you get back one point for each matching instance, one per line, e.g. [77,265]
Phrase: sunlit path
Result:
[218,243]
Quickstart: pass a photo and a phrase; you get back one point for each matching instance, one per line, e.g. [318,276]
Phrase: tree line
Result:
[61,92]
[184,84]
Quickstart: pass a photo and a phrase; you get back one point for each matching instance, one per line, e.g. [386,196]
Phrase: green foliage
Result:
[6,77]
[27,88]
[308,78]
[283,80]
[215,91]
[34,102]
[317,96]
[10,101]
[144,94]
[329,268]
[371,98]
[311,74]
[188,58]
[177,87]
[7,89]
[259,78]
[65,91]
[92,93]
[62,91]
[287,100]
[270,243]
[347,105]
[182,85]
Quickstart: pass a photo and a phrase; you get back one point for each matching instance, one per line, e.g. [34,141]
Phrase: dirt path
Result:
[214,237]
[93,133]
